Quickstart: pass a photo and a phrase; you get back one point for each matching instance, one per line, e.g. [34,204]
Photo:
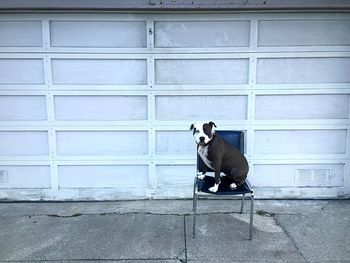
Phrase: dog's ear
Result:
[212,124]
[192,126]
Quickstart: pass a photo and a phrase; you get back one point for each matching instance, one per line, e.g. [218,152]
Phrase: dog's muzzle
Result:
[201,141]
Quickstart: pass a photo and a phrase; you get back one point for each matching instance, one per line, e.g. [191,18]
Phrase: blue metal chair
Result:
[243,192]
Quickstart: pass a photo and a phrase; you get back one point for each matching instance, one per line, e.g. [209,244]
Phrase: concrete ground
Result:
[161,231]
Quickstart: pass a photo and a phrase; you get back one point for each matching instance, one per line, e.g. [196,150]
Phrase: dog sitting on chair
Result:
[219,156]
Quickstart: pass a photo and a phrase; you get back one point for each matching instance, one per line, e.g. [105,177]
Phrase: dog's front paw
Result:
[233,186]
[214,189]
[200,176]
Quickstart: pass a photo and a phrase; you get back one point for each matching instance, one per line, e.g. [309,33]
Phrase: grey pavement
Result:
[161,231]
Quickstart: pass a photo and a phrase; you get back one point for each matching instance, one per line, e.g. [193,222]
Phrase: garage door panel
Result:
[96,176]
[201,71]
[199,107]
[303,70]
[178,34]
[300,142]
[175,176]
[99,71]
[15,176]
[114,34]
[20,34]
[23,143]
[21,71]
[328,106]
[175,143]
[102,143]
[310,175]
[100,108]
[16,108]
[318,32]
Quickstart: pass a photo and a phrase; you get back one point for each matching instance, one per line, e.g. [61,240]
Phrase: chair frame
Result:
[241,196]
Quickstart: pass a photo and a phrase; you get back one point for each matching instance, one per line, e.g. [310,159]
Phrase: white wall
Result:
[98,106]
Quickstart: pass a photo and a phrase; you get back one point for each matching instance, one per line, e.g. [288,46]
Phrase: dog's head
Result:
[203,132]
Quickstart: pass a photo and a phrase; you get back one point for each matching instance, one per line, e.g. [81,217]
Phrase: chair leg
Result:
[194,214]
[194,191]
[242,204]
[251,217]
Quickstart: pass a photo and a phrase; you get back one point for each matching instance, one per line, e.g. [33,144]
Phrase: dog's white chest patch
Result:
[203,153]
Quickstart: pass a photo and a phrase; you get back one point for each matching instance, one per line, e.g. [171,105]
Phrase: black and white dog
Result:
[219,156]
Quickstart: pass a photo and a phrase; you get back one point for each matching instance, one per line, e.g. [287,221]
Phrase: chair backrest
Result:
[235,138]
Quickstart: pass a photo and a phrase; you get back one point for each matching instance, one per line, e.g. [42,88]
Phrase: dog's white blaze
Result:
[203,153]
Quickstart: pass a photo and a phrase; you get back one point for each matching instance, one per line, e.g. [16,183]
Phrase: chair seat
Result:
[224,187]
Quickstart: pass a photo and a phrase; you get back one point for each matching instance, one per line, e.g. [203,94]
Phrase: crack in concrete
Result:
[290,238]
[121,213]
[63,216]
[178,257]
[185,236]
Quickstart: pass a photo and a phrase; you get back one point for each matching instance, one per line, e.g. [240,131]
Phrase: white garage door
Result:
[98,106]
